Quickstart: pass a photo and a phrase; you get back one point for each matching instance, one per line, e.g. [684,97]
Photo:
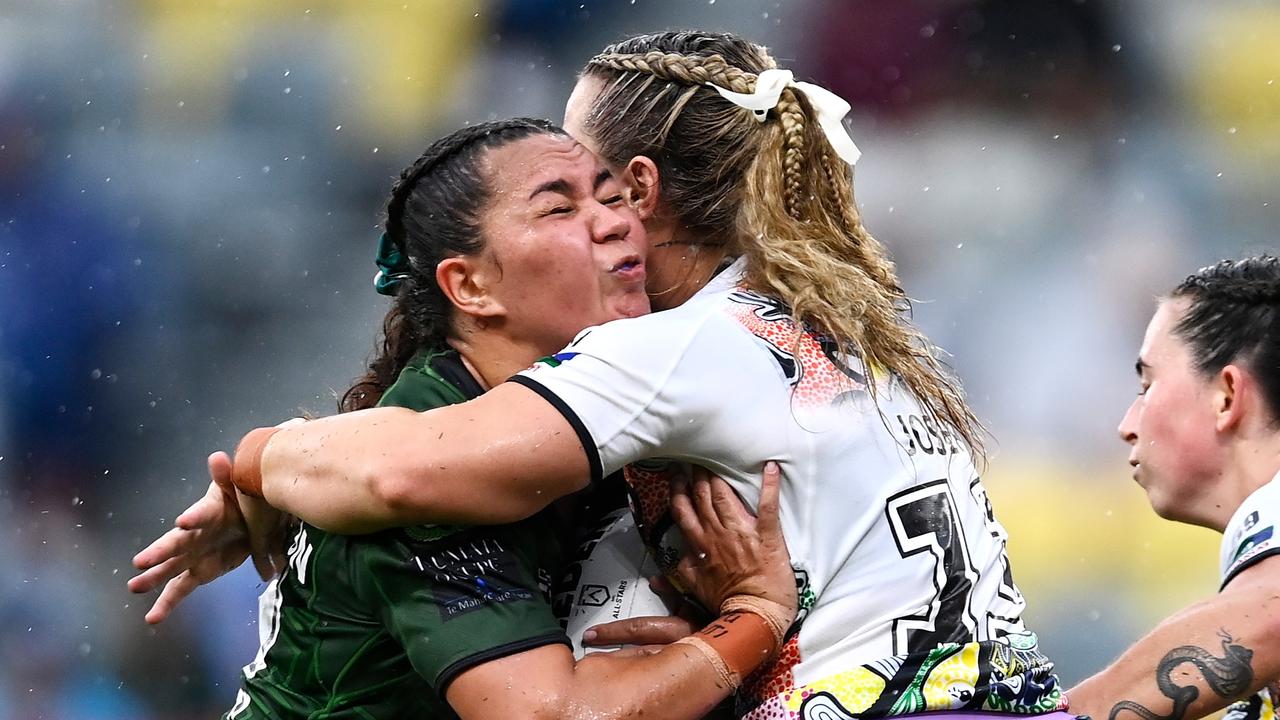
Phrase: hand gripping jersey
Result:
[1249,537]
[376,626]
[907,602]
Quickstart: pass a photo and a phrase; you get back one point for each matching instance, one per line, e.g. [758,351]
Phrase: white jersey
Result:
[907,603]
[1249,537]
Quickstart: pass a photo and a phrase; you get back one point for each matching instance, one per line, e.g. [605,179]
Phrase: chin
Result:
[633,306]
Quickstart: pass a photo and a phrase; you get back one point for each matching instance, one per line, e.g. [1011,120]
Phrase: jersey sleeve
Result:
[632,387]
[458,601]
[1251,534]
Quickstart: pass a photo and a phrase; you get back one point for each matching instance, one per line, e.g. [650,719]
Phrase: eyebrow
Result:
[560,185]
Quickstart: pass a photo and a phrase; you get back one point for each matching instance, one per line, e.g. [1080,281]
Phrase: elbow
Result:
[398,495]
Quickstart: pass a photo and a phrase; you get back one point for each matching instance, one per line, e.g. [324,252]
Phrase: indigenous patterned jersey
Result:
[907,602]
[1251,536]
[377,626]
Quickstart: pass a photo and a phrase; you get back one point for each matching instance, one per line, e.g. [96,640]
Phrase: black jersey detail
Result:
[1249,563]
[451,369]
[584,436]
[451,673]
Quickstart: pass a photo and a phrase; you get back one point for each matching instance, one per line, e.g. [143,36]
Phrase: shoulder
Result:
[431,379]
[1250,536]
[669,332]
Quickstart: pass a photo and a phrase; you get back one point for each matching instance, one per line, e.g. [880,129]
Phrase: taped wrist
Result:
[776,615]
[246,469]
[736,643]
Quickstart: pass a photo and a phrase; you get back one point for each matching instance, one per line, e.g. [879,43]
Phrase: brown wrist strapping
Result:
[741,640]
[776,615]
[246,469]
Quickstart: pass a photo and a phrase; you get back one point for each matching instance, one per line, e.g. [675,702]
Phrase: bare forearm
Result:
[677,682]
[497,459]
[1193,664]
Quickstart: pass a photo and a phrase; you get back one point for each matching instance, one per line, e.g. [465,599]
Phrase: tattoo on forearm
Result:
[1228,676]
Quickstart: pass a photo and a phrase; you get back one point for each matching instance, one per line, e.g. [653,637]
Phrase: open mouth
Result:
[627,264]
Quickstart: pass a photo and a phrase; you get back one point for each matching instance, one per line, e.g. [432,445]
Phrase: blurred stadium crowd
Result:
[189,195]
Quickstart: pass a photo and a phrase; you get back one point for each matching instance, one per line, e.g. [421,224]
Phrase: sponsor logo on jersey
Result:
[1256,541]
[552,361]
[469,574]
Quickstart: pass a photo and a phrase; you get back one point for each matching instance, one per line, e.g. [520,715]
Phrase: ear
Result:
[465,282]
[1229,397]
[641,176]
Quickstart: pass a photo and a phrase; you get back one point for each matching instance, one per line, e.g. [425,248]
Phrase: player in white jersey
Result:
[902,566]
[801,351]
[1205,433]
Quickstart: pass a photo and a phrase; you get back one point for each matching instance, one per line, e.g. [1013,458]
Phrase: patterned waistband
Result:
[979,679]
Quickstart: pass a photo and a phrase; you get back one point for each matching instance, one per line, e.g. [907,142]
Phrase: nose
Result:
[1128,428]
[610,224]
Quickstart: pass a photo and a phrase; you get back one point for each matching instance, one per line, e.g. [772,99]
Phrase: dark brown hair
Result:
[433,214]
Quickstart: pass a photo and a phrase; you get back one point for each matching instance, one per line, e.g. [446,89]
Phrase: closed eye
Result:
[614,200]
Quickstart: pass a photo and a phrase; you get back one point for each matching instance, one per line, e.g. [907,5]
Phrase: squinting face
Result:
[668,265]
[1170,426]
[567,249]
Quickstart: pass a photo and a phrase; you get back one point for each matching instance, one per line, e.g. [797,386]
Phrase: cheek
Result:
[1177,439]
[550,272]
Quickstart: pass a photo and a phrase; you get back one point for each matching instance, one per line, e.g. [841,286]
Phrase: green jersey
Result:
[376,626]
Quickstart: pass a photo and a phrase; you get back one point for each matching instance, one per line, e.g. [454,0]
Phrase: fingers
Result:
[636,651]
[705,505]
[267,559]
[685,574]
[156,576]
[729,508]
[162,548]
[638,631]
[219,464]
[682,511]
[175,591]
[203,513]
[263,564]
[770,491]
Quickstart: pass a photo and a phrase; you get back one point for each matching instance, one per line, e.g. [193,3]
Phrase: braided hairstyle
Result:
[433,214]
[775,192]
[1233,316]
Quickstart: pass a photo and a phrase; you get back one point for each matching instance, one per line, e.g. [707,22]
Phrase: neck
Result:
[680,266]
[493,357]
[1254,462]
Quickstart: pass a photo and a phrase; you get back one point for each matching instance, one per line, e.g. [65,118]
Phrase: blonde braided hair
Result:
[722,173]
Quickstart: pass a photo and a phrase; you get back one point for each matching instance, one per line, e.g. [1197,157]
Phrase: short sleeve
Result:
[461,600]
[1251,534]
[647,386]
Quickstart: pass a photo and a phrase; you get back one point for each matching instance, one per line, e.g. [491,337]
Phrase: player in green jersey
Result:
[503,241]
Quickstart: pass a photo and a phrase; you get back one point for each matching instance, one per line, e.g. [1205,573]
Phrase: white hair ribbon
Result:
[830,108]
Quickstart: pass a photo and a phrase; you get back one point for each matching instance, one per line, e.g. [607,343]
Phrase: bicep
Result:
[1228,639]
[1250,612]
[498,458]
[495,459]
